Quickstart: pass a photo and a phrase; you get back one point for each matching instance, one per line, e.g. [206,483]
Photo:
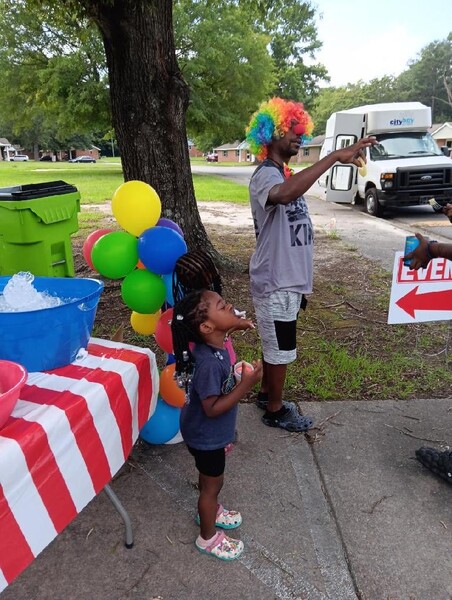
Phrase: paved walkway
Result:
[351,515]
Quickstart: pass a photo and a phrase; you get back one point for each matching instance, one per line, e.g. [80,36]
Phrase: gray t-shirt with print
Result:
[283,259]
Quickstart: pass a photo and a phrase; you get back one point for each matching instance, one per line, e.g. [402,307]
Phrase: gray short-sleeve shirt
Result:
[283,259]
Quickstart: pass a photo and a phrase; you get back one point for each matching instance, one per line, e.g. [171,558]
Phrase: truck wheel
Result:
[373,206]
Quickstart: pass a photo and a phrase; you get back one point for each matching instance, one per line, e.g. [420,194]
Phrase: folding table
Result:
[70,432]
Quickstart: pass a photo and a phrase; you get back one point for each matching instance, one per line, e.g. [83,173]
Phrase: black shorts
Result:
[209,462]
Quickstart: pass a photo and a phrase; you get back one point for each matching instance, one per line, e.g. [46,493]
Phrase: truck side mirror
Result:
[445,150]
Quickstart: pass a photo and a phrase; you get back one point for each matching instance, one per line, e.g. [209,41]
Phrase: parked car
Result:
[19,158]
[46,158]
[213,157]
[82,159]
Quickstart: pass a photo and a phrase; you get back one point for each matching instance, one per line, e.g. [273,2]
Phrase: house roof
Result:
[316,141]
[4,142]
[237,145]
[442,130]
[435,127]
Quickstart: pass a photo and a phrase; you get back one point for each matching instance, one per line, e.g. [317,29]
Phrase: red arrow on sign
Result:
[441,300]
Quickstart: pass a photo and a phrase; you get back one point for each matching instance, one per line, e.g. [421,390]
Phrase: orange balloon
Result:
[169,390]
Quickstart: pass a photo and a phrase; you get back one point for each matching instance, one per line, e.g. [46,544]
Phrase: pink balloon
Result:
[163,335]
[89,243]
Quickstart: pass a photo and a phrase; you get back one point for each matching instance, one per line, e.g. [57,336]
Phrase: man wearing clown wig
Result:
[281,267]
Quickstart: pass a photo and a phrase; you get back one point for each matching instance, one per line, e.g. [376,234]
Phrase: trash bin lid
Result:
[36,190]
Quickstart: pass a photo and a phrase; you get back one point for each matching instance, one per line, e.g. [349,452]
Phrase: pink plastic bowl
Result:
[12,379]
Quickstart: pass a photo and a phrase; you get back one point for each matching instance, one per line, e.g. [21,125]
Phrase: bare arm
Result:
[215,406]
[299,183]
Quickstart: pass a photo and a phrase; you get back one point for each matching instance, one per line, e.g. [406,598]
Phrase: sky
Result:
[366,39]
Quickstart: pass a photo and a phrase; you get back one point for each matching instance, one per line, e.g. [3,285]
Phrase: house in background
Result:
[442,134]
[93,151]
[310,151]
[193,151]
[239,152]
[235,152]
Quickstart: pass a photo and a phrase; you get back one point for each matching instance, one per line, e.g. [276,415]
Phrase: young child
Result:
[208,419]
[196,270]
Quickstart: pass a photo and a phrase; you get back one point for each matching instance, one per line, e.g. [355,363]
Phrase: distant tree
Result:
[330,100]
[429,79]
[226,64]
[290,25]
[53,82]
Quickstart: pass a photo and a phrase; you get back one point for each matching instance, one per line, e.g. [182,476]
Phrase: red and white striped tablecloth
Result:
[70,432]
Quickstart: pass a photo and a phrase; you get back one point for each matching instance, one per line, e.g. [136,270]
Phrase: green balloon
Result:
[143,291]
[115,254]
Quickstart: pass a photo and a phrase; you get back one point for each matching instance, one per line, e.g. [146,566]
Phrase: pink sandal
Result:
[226,519]
[222,547]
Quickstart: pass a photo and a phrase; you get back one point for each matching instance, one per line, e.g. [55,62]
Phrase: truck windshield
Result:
[404,145]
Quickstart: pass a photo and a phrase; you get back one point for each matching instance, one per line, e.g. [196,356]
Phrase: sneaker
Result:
[222,547]
[288,419]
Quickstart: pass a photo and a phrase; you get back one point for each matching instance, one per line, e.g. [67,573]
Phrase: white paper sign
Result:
[423,295]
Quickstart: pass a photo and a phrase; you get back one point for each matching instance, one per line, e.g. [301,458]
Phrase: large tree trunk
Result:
[149,99]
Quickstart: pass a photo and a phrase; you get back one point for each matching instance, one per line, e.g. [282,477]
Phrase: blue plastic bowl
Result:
[49,338]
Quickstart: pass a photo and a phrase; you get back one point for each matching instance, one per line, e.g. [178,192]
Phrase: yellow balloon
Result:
[136,206]
[145,324]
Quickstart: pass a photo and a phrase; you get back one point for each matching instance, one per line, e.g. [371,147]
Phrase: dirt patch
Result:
[346,348]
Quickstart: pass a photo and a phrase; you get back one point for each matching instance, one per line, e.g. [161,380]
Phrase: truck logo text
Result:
[404,121]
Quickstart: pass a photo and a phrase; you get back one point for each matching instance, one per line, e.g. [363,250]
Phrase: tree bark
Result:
[149,100]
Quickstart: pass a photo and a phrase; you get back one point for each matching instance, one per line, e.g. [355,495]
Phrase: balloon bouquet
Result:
[144,255]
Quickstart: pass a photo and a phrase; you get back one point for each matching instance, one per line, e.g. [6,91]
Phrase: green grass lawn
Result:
[211,188]
[97,182]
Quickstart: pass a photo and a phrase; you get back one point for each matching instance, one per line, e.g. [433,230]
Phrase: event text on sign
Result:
[439,269]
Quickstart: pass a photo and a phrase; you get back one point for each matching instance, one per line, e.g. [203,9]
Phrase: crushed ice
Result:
[20,295]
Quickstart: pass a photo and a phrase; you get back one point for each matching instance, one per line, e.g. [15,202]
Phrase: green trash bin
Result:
[36,223]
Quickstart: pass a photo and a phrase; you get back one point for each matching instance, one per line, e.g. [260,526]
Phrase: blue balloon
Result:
[163,425]
[159,248]
[170,359]
[168,281]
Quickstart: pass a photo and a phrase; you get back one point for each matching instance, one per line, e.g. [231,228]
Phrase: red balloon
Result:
[89,243]
[163,335]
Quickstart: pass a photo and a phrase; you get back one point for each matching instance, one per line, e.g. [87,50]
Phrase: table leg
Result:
[124,515]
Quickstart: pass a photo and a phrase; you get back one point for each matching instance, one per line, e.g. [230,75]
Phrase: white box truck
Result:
[405,168]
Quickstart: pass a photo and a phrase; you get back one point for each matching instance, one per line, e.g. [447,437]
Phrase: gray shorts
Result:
[276,318]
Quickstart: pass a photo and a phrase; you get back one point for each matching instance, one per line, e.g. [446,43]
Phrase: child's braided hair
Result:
[188,314]
[195,271]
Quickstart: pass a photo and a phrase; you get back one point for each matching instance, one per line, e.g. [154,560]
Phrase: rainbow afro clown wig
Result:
[273,119]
